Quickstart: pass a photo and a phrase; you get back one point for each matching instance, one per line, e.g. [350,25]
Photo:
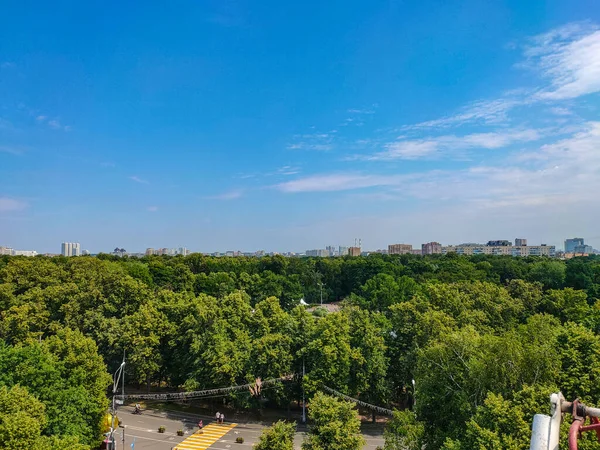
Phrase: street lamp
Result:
[118,376]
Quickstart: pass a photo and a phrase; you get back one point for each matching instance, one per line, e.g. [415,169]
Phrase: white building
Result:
[6,251]
[70,249]
[25,253]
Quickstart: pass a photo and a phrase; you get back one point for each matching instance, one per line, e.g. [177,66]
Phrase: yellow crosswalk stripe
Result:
[201,441]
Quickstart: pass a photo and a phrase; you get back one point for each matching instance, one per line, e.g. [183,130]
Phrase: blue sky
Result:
[222,125]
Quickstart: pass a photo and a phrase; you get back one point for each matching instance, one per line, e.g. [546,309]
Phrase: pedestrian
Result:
[222,418]
[200,425]
[217,417]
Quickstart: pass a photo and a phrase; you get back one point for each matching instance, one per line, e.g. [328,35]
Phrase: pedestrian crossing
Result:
[209,435]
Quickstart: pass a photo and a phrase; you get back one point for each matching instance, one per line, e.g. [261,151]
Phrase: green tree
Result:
[280,436]
[334,425]
[404,432]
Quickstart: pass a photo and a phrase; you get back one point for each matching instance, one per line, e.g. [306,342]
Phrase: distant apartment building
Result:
[6,251]
[331,250]
[431,248]
[70,249]
[342,251]
[399,249]
[28,253]
[520,242]
[501,250]
[354,251]
[318,253]
[570,244]
[149,251]
[417,251]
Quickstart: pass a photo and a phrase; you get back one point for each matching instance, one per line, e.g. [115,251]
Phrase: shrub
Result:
[180,432]
[239,440]
[161,429]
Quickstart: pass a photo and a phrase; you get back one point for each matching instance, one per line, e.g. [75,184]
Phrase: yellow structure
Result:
[207,437]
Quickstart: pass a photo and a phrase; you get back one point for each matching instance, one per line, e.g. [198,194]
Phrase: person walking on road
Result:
[222,418]
[217,417]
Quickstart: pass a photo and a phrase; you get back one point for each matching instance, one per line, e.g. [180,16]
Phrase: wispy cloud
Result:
[152,208]
[362,111]
[7,65]
[138,179]
[287,170]
[448,145]
[52,123]
[482,112]
[230,195]
[8,204]
[339,182]
[570,58]
[560,111]
[313,141]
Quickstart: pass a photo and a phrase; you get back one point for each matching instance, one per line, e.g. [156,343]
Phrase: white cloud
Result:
[230,195]
[8,204]
[54,124]
[430,147]
[152,208]
[287,170]
[138,179]
[570,57]
[560,111]
[482,111]
[41,118]
[338,182]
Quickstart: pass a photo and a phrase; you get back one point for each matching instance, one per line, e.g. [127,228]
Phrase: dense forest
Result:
[486,339]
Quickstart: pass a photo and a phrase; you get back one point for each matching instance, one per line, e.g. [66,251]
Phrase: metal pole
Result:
[321,286]
[303,401]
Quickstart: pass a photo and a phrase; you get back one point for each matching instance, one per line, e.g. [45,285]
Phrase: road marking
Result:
[201,441]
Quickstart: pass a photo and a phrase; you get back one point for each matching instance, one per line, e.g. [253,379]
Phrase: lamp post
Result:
[118,376]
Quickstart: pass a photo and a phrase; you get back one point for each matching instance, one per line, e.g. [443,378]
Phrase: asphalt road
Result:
[144,429]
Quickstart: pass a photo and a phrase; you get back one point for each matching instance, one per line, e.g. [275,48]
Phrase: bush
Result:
[179,432]
[161,429]
[239,440]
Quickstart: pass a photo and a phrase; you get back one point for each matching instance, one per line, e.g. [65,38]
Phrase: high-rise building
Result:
[320,253]
[342,251]
[431,248]
[520,242]
[331,250]
[354,251]
[399,249]
[570,244]
[70,249]
[149,251]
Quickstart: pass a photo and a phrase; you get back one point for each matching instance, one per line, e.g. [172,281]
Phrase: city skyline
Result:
[227,125]
[576,245]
